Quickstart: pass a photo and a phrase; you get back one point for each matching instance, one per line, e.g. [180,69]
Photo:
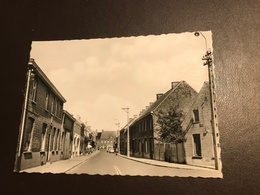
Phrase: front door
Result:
[48,147]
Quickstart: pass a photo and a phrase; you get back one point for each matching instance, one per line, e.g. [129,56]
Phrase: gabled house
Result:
[198,128]
[143,137]
[41,122]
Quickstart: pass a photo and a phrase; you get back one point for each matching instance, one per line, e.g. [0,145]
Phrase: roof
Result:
[69,115]
[199,100]
[46,80]
[131,121]
[108,134]
[162,98]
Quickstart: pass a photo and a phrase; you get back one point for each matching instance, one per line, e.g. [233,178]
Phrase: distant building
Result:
[107,138]
[41,122]
[143,142]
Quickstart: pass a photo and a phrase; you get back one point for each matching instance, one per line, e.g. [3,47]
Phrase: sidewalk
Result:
[61,166]
[168,164]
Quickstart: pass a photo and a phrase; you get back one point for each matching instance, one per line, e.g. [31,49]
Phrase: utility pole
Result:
[118,135]
[208,58]
[128,139]
[22,124]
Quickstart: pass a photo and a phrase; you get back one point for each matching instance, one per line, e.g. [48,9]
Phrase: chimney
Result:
[174,84]
[142,112]
[158,95]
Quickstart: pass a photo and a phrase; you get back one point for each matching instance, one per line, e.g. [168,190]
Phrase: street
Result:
[104,163]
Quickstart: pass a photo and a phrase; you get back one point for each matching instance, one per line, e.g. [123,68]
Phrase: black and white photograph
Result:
[128,106]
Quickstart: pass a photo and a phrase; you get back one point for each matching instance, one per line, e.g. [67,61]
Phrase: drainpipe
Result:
[18,163]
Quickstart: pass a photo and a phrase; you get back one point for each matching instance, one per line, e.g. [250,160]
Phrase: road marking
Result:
[118,172]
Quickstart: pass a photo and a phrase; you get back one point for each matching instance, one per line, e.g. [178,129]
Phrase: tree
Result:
[169,128]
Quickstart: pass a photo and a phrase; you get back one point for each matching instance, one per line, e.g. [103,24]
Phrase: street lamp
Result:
[127,111]
[208,58]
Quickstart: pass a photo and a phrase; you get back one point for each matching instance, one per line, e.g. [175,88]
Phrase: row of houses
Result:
[197,146]
[47,132]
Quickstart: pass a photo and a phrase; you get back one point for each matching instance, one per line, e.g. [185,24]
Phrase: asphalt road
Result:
[104,163]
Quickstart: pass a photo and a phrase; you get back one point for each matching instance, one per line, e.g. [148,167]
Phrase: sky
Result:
[99,77]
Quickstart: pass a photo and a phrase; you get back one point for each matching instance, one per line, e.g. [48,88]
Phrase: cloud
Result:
[99,77]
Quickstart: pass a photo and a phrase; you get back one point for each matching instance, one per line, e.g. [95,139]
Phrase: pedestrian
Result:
[115,148]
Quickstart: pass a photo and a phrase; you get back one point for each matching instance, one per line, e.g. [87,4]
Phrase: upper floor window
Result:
[151,124]
[47,101]
[52,105]
[34,90]
[56,107]
[196,115]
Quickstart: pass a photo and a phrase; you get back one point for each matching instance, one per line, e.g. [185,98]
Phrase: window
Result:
[139,146]
[52,105]
[197,145]
[44,128]
[56,107]
[196,115]
[34,90]
[47,101]
[28,134]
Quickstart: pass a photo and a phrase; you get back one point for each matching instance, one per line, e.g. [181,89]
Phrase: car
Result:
[108,147]
[111,150]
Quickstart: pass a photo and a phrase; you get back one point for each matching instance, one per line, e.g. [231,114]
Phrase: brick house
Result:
[143,141]
[67,134]
[198,128]
[41,122]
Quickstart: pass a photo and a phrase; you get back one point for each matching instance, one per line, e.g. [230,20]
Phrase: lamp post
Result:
[127,121]
[118,136]
[208,58]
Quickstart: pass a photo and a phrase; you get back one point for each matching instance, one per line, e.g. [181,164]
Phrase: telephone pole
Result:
[208,58]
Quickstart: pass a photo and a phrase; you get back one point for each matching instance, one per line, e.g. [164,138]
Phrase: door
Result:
[48,148]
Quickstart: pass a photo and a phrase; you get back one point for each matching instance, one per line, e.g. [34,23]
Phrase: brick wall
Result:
[202,127]
[36,110]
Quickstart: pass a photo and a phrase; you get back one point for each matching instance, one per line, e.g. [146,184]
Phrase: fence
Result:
[170,152]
